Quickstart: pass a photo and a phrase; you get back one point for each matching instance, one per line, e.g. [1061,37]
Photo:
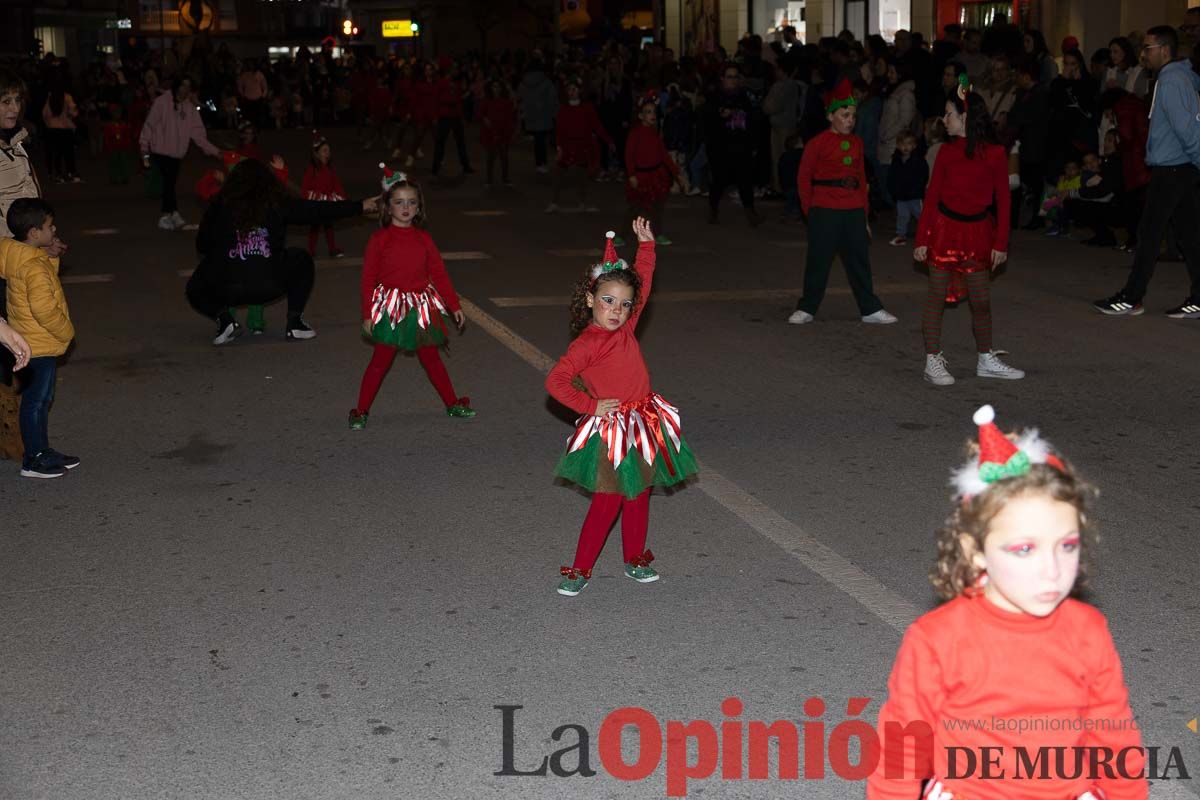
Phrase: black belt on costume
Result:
[839,183]
[959,217]
[659,165]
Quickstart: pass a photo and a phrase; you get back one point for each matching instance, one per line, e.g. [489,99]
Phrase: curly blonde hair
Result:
[954,573]
[581,315]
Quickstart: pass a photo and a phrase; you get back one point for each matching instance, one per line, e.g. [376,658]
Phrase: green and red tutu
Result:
[408,320]
[636,447]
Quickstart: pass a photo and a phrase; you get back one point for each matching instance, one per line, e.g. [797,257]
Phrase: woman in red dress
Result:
[958,237]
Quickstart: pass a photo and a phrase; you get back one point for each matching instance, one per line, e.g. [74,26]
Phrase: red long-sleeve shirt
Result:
[404,259]
[424,100]
[609,363]
[644,151]
[968,186]
[497,121]
[977,674]
[579,126]
[825,159]
[321,183]
[449,99]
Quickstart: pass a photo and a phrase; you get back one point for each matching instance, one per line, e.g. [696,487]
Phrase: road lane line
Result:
[69,279]
[486,213]
[710,295]
[881,601]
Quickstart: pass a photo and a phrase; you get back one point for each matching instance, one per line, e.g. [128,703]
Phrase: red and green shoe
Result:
[574,580]
[358,419]
[461,409]
[640,570]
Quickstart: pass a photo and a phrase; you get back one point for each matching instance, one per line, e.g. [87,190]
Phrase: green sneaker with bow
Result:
[574,580]
[461,409]
[358,420]
[640,570]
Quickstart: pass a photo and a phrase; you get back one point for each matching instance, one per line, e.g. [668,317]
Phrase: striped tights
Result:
[978,296]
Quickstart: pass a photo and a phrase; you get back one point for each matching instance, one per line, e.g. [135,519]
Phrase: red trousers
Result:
[313,232]
[635,519]
[381,362]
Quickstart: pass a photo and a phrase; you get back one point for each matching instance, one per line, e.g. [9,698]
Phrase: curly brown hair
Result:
[955,574]
[581,314]
[385,203]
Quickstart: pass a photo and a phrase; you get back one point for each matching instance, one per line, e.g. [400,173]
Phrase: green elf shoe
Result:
[358,420]
[461,409]
[574,580]
[662,241]
[640,570]
[254,320]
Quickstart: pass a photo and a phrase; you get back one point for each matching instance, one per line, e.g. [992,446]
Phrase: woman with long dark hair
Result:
[59,113]
[1074,117]
[244,257]
[958,238]
[1125,73]
[1037,52]
[172,125]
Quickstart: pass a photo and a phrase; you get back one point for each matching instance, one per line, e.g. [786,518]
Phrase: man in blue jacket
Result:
[1173,155]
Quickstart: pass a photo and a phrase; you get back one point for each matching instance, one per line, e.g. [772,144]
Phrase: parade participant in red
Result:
[650,168]
[450,118]
[321,182]
[832,184]
[402,112]
[497,125]
[423,102]
[407,298]
[578,135]
[1012,647]
[628,439]
[957,236]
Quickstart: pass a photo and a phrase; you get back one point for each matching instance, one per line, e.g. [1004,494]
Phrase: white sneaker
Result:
[166,223]
[552,208]
[228,333]
[178,219]
[936,371]
[799,317]
[542,170]
[898,241]
[990,366]
[408,162]
[880,317]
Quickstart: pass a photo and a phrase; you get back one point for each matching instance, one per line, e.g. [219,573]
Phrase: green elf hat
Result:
[610,262]
[1001,457]
[390,178]
[842,96]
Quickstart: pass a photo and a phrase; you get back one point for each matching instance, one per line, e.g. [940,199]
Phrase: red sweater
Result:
[502,114]
[968,186]
[990,670]
[424,101]
[321,183]
[645,151]
[404,259]
[449,99]
[609,363]
[579,126]
[825,159]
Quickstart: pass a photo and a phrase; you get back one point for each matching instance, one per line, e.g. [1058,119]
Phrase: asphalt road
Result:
[236,597]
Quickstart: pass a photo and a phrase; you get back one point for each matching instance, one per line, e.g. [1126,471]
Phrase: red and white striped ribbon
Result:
[639,425]
[397,304]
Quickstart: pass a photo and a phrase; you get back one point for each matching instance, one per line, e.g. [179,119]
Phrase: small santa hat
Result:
[611,261]
[390,178]
[1000,457]
[318,140]
[842,96]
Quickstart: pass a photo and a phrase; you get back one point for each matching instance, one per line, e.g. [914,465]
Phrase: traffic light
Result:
[347,27]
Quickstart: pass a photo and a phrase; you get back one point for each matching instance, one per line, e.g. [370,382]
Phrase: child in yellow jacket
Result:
[37,309]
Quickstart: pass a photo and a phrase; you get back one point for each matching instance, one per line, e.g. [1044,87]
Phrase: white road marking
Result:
[596,252]
[465,255]
[191,226]
[100,231]
[345,261]
[486,213]
[881,601]
[699,296]
[102,278]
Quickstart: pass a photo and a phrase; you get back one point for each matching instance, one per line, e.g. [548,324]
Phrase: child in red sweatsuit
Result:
[578,133]
[651,169]
[628,439]
[407,298]
[497,124]
[320,182]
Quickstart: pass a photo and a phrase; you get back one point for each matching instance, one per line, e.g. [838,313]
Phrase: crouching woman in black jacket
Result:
[244,257]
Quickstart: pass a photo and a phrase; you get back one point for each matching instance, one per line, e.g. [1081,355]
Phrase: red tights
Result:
[635,519]
[978,296]
[313,232]
[381,362]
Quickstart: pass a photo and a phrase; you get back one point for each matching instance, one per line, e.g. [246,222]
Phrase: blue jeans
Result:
[907,211]
[35,405]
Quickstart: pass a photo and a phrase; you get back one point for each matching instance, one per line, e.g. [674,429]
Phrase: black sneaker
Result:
[1118,305]
[60,459]
[298,329]
[1190,309]
[228,329]
[41,466]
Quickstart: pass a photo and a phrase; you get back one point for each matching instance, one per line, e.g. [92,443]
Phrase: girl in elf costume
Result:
[957,236]
[629,438]
[832,184]
[320,182]
[651,169]
[407,297]
[1011,645]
